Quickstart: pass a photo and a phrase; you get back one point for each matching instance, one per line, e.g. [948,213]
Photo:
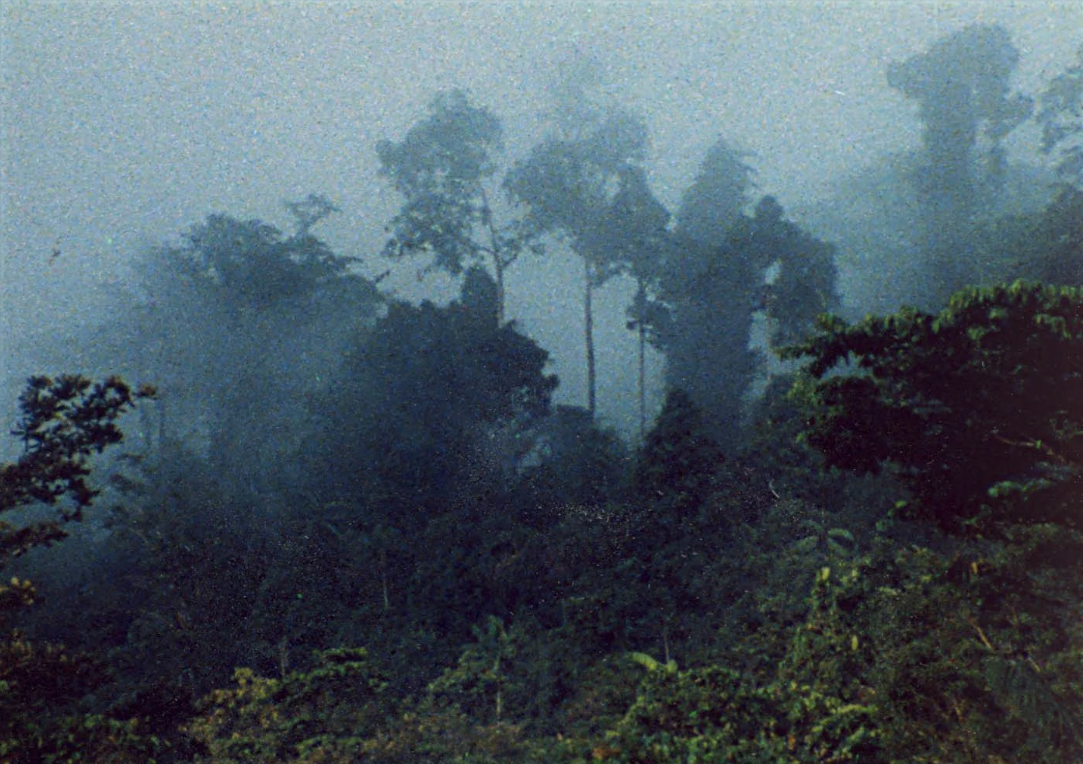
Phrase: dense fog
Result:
[126,126]
[491,382]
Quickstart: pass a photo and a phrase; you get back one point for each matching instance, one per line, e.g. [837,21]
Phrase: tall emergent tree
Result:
[713,282]
[638,222]
[443,168]
[805,283]
[962,88]
[708,292]
[579,182]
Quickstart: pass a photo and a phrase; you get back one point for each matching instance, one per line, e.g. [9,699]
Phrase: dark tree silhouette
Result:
[976,408]
[570,185]
[708,292]
[416,399]
[63,423]
[442,169]
[962,88]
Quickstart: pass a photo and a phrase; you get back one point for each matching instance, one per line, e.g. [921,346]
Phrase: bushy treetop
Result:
[979,408]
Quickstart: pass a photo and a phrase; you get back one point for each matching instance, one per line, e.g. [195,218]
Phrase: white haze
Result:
[125,124]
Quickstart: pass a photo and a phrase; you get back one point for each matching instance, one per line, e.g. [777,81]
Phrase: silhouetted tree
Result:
[570,182]
[962,88]
[707,294]
[234,324]
[63,423]
[442,169]
[804,286]
[637,221]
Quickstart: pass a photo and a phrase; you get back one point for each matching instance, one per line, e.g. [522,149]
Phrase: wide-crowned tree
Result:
[443,169]
[977,409]
[234,324]
[419,397]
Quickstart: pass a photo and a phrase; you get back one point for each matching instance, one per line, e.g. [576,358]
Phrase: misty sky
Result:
[124,126]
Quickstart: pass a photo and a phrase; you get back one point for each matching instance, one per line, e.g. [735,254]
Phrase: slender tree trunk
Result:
[498,268]
[640,300]
[588,324]
[498,261]
[499,690]
[383,581]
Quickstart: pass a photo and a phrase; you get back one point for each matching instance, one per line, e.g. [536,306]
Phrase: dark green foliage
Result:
[64,422]
[1047,244]
[579,465]
[415,404]
[534,592]
[322,715]
[186,562]
[43,720]
[812,710]
[678,463]
[978,651]
[977,408]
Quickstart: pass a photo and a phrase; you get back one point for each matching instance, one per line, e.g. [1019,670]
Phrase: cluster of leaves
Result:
[63,424]
[321,715]
[976,408]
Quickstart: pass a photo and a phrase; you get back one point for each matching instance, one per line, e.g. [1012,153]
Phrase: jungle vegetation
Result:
[335,526]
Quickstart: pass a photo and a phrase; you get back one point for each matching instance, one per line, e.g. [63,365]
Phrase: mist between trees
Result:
[343,526]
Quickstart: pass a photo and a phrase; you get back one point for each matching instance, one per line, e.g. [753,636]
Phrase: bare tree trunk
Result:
[498,267]
[588,322]
[642,383]
[498,260]
[641,325]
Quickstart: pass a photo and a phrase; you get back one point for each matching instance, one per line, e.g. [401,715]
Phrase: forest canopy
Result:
[341,525]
